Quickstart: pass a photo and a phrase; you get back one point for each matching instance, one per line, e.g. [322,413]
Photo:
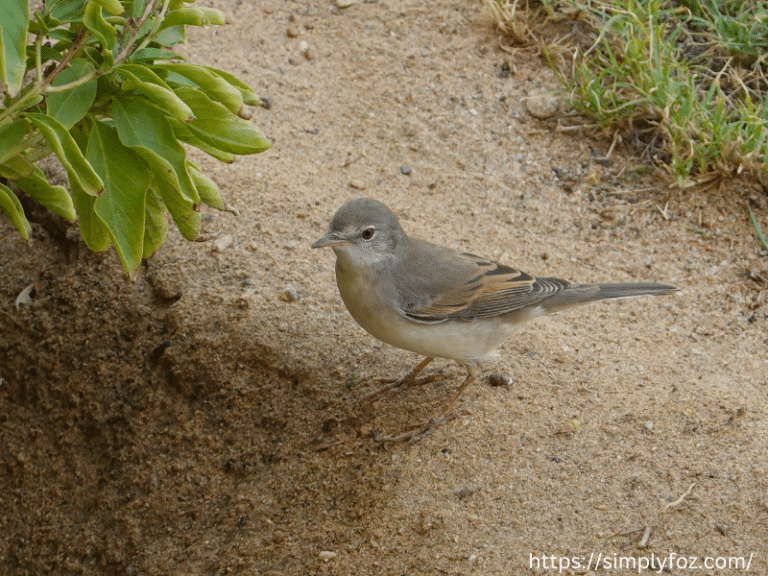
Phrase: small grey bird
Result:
[438,302]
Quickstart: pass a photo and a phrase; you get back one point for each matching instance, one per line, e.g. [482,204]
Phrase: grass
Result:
[684,81]
[758,230]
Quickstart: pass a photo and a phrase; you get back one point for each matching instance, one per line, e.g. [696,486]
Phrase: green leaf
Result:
[46,53]
[155,225]
[193,16]
[70,156]
[171,36]
[10,136]
[249,96]
[156,143]
[217,126]
[176,4]
[144,128]
[9,203]
[212,84]
[65,10]
[55,198]
[63,35]
[122,206]
[71,106]
[151,54]
[111,6]
[207,188]
[16,167]
[14,22]
[181,132]
[137,9]
[184,212]
[92,228]
[95,22]
[153,87]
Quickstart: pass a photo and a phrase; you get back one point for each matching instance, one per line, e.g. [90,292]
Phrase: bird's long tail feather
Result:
[578,294]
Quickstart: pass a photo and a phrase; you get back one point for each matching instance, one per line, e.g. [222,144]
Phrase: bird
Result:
[439,302]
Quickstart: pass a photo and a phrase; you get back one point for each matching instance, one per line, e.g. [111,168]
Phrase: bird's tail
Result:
[578,294]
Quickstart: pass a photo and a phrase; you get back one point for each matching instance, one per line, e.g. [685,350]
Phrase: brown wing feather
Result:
[481,288]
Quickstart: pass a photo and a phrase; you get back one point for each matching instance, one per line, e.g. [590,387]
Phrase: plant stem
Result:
[148,38]
[43,86]
[38,58]
[37,89]
[139,23]
[74,84]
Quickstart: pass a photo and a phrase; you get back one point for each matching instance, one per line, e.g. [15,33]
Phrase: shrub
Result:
[96,84]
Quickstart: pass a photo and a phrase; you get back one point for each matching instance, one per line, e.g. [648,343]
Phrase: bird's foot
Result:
[399,385]
[419,431]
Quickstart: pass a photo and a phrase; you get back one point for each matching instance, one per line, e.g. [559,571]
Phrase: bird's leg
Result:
[402,383]
[445,415]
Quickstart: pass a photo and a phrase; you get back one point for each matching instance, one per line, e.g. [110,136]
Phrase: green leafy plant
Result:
[95,83]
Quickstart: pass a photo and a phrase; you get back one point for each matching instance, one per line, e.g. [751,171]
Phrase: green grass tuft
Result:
[684,81]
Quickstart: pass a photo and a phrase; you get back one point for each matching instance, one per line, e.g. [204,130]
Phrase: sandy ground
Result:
[191,421]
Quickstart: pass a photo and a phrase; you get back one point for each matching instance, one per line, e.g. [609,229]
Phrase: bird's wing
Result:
[463,286]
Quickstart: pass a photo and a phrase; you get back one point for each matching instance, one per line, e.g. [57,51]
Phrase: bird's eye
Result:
[367,234]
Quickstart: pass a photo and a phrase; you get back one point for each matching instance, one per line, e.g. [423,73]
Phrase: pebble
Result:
[405,169]
[292,31]
[542,106]
[344,3]
[290,294]
[499,380]
[25,296]
[305,49]
[222,243]
[327,555]
[356,184]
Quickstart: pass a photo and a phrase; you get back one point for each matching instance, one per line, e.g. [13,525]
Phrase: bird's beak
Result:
[330,239]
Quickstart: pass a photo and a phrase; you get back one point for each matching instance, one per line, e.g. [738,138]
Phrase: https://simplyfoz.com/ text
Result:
[640,564]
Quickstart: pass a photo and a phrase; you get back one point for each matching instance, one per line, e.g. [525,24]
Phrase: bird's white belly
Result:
[458,340]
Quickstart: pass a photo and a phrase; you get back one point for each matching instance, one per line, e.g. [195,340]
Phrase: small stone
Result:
[305,49]
[327,555]
[266,102]
[406,170]
[249,299]
[356,184]
[289,294]
[25,296]
[222,243]
[465,493]
[649,425]
[292,31]
[344,3]
[499,380]
[542,106]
